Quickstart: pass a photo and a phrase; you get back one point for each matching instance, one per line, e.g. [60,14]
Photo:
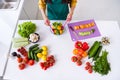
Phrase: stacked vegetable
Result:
[57,28]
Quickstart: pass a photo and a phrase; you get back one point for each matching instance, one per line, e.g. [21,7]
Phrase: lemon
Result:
[44,48]
[44,53]
[39,55]
[44,58]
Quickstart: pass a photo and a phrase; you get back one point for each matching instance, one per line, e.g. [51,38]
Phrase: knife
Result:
[73,31]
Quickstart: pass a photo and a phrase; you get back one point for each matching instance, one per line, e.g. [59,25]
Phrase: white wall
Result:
[98,10]
[85,9]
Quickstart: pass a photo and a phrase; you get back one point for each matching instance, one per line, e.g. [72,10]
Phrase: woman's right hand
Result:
[47,21]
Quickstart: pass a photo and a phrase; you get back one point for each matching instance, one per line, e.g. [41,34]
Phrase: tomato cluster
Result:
[88,67]
[48,63]
[23,51]
[79,52]
[24,61]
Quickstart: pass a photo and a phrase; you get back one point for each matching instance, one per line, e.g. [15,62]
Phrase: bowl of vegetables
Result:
[57,28]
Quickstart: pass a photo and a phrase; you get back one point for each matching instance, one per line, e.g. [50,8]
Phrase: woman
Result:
[57,9]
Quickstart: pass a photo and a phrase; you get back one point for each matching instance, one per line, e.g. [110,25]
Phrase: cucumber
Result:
[93,49]
[35,49]
[38,51]
[29,55]
[20,44]
[36,58]
[20,40]
[33,46]
[32,55]
[97,53]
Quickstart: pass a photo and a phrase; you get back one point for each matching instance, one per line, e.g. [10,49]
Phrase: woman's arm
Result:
[72,7]
[42,6]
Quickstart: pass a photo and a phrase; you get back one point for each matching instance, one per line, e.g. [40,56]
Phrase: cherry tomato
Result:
[75,51]
[79,62]
[90,70]
[74,59]
[87,63]
[31,62]
[21,66]
[25,60]
[19,60]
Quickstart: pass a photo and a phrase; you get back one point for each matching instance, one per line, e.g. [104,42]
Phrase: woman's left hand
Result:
[69,17]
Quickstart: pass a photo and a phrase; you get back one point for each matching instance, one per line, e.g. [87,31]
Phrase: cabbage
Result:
[26,28]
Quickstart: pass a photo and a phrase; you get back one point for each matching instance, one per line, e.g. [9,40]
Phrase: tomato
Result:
[87,63]
[31,62]
[87,67]
[80,51]
[79,62]
[75,51]
[74,59]
[90,70]
[19,60]
[21,66]
[25,60]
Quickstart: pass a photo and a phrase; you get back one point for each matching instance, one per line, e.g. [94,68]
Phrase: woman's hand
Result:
[69,17]
[47,21]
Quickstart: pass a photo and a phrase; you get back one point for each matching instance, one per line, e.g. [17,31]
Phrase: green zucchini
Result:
[97,53]
[93,49]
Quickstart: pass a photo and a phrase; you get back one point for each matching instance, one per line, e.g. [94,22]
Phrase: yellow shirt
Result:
[42,4]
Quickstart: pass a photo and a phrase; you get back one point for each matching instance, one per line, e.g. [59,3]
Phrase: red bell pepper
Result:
[78,45]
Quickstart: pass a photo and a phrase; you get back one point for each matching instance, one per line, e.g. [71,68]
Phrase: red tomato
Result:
[26,60]
[74,59]
[21,66]
[87,67]
[19,60]
[31,62]
[90,70]
[87,63]
[79,62]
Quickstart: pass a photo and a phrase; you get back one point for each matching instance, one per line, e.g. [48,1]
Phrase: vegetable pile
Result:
[26,28]
[57,28]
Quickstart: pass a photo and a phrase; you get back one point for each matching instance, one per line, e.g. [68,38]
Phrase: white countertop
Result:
[62,46]
[8,21]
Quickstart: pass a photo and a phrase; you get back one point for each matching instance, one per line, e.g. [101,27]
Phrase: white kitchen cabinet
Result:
[30,10]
